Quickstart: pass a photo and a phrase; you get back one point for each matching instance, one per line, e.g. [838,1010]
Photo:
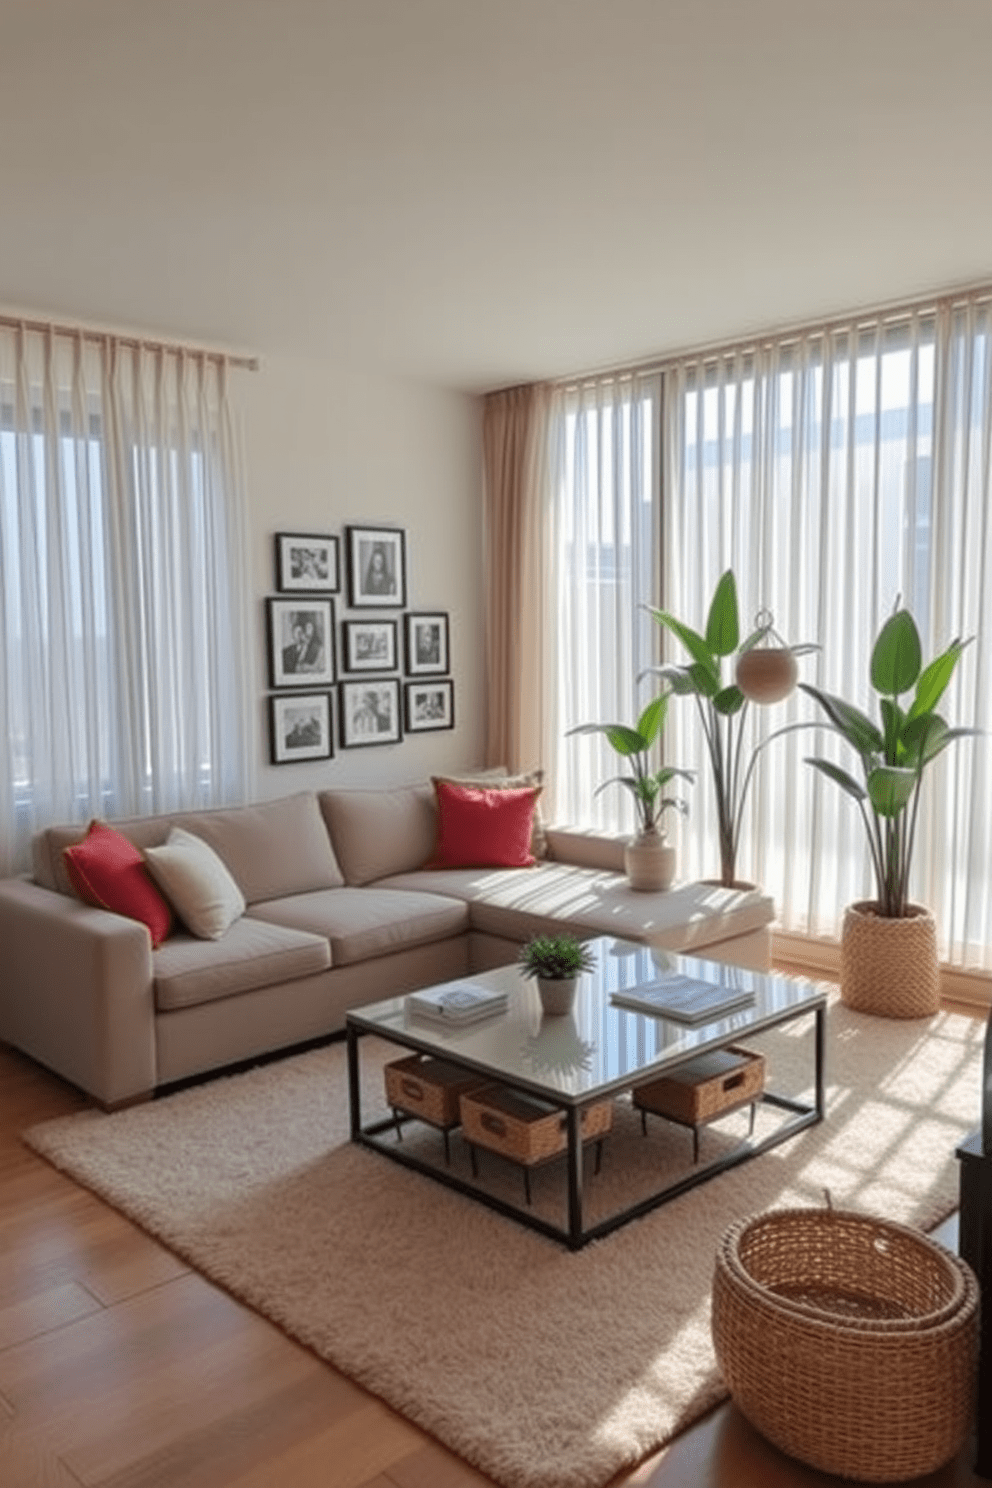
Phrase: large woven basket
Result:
[889,967]
[851,1343]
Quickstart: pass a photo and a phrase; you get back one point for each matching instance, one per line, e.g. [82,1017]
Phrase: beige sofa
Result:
[340,911]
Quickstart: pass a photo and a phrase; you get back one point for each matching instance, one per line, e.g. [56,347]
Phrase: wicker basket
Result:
[705,1087]
[525,1129]
[428,1088]
[889,967]
[851,1343]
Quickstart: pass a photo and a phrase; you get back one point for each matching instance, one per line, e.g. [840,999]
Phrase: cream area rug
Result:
[544,1368]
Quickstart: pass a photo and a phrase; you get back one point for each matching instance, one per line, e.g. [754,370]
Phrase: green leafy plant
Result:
[894,754]
[555,957]
[645,785]
[722,708]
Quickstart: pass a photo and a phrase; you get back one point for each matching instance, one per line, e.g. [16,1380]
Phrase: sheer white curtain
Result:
[123,607]
[605,452]
[835,471]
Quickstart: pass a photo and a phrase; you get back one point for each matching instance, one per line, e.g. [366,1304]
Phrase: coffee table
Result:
[621,1049]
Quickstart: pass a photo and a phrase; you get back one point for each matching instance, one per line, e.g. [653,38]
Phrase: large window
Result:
[835,472]
[121,569]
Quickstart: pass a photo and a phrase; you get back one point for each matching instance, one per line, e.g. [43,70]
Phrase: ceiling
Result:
[480,194]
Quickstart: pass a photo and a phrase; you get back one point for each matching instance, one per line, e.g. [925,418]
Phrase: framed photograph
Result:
[307,561]
[301,642]
[376,567]
[429,705]
[300,727]
[368,645]
[426,637]
[369,712]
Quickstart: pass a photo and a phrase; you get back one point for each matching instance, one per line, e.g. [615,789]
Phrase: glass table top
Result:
[598,1047]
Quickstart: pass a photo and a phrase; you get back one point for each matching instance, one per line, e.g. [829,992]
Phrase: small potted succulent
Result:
[556,961]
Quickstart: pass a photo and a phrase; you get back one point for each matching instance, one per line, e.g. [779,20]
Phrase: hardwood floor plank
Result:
[433,1466]
[27,1460]
[44,1311]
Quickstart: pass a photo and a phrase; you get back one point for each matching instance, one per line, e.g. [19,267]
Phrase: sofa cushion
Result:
[499,778]
[380,832]
[108,871]
[482,826]
[48,867]
[272,849]
[516,904]
[196,884]
[366,922]
[252,954]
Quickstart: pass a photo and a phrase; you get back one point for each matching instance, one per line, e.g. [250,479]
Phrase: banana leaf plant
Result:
[895,753]
[645,785]
[722,707]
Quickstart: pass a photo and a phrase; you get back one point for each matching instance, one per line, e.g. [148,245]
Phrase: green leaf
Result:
[679,678]
[856,727]
[692,641]
[731,700]
[652,720]
[897,657]
[704,681]
[890,788]
[893,719]
[625,741]
[672,772]
[838,776]
[723,631]
[625,780]
[934,679]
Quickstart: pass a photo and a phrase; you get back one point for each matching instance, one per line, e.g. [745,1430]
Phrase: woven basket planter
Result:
[850,1343]
[889,967]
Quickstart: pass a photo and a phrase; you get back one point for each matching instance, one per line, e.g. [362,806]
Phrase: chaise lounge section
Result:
[341,910]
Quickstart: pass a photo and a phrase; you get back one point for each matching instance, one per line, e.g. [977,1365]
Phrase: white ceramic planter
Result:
[649,862]
[557,994]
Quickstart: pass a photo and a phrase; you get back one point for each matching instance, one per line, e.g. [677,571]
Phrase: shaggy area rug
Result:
[545,1369]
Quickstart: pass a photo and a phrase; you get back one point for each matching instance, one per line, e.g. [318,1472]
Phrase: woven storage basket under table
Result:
[849,1342]
[428,1088]
[523,1128]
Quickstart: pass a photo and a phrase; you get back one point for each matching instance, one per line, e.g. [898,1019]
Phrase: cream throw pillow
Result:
[196,883]
[499,778]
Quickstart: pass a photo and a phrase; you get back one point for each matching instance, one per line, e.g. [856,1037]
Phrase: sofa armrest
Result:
[586,849]
[76,991]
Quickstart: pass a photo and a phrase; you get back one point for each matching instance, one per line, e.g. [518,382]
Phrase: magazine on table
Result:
[683,998]
[458,1002]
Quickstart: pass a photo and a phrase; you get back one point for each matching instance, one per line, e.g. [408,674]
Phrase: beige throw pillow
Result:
[498,778]
[196,883]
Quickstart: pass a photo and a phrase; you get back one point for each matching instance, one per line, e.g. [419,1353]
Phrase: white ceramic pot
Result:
[557,994]
[649,862]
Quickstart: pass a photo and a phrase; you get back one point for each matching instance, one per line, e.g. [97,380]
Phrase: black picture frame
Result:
[307,562]
[429,705]
[300,727]
[376,563]
[301,642]
[426,635]
[369,712]
[369,645]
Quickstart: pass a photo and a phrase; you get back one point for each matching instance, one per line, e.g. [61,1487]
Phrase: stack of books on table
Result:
[457,1003]
[683,998]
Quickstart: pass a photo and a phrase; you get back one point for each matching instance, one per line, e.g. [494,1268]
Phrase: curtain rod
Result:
[889,313]
[90,333]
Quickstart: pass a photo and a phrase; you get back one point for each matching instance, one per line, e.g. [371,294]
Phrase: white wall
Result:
[324,447]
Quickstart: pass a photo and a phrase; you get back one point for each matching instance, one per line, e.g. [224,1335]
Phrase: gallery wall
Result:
[326,447]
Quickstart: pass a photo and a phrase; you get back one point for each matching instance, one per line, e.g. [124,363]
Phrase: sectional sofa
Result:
[341,910]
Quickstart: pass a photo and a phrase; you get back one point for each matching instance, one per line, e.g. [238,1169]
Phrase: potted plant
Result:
[649,861]
[555,961]
[764,673]
[889,944]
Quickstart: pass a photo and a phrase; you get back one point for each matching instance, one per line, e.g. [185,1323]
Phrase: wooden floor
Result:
[121,1368]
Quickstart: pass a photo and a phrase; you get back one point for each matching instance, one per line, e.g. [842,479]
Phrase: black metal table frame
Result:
[578,1234]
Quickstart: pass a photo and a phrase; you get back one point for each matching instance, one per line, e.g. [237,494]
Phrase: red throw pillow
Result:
[480,828]
[107,870]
